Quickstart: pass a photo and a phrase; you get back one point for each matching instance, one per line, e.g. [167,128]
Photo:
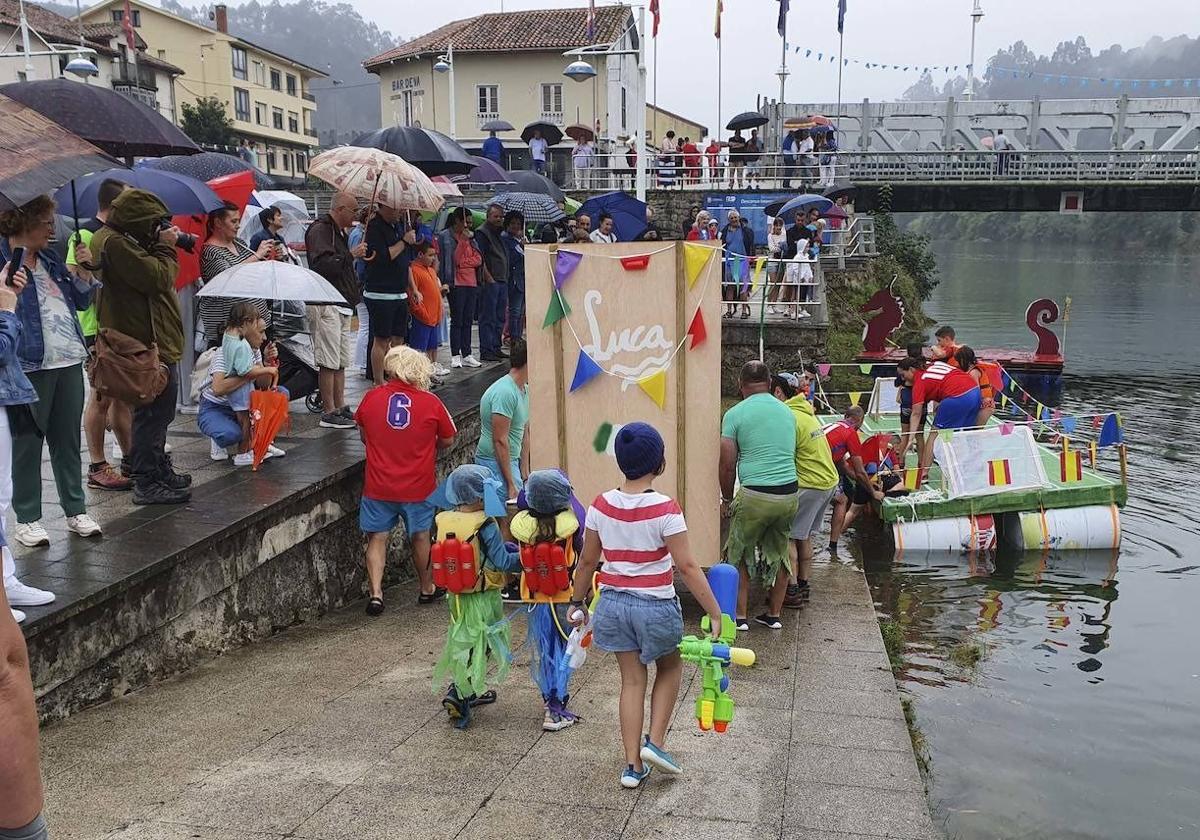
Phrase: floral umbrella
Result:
[378,177]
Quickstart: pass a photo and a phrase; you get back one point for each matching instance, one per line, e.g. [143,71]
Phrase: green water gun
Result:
[714,706]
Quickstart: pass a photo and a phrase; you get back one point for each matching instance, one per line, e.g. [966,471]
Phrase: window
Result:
[239,63]
[241,104]
[624,96]
[301,162]
[260,113]
[489,99]
[409,114]
[277,118]
[260,73]
[270,159]
[275,80]
[292,87]
[162,54]
[118,15]
[552,100]
[293,122]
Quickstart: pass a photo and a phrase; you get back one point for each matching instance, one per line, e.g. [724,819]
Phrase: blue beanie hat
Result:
[639,449]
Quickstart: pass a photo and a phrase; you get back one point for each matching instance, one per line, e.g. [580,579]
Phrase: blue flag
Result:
[586,370]
[783,12]
[841,15]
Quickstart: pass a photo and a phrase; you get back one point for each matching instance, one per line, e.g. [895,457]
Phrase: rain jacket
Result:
[814,460]
[31,348]
[139,272]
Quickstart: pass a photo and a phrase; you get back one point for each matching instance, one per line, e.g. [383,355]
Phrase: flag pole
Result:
[838,116]
[720,79]
[654,137]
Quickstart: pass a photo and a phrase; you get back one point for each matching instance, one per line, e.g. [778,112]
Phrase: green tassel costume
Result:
[478,639]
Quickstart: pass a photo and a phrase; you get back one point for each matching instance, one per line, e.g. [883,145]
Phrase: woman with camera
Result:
[223,250]
[51,351]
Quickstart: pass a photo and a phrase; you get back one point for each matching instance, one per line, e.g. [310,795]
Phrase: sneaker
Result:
[439,370]
[771,622]
[23,595]
[274,451]
[511,593]
[17,615]
[793,600]
[742,624]
[347,411]
[631,778]
[659,758]
[158,493]
[556,722]
[335,420]
[456,361]
[471,362]
[216,451]
[108,477]
[457,708]
[804,313]
[31,534]
[83,525]
[171,478]
[243,459]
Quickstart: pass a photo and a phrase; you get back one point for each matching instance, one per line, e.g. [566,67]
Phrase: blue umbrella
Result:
[629,214]
[183,196]
[807,201]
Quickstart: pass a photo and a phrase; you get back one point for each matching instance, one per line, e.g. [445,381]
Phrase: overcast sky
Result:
[934,32]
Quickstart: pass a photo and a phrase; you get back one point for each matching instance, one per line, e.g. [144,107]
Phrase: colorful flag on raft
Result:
[697,330]
[1092,453]
[1070,466]
[1111,432]
[655,386]
[999,474]
[855,396]
[695,257]
[1006,428]
[823,370]
[654,12]
[911,481]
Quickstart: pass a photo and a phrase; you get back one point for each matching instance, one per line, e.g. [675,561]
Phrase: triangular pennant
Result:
[1006,428]
[1003,400]
[558,309]
[759,265]
[1037,411]
[1092,453]
[565,263]
[855,396]
[695,257]
[947,435]
[865,368]
[655,386]
[637,262]
[824,369]
[697,330]
[586,370]
[1068,425]
[1110,432]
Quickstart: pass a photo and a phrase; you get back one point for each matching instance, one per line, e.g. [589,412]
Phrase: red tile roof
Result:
[51,26]
[539,29]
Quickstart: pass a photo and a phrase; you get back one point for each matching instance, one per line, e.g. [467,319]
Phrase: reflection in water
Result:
[1081,719]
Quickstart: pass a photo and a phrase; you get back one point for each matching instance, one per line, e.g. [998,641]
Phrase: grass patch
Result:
[893,643]
[919,744]
[966,655]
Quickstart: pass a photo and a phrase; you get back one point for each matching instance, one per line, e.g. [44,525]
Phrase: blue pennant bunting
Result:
[1111,433]
[586,370]
[1068,425]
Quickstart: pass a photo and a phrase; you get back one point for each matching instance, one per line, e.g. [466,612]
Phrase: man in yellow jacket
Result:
[816,475]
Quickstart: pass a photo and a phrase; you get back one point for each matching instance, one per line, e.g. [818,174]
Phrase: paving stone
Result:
[658,827]
[850,731]
[377,812]
[877,702]
[890,769]
[857,810]
[149,830]
[513,819]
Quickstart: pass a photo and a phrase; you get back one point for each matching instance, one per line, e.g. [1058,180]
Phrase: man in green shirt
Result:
[758,449]
[503,416]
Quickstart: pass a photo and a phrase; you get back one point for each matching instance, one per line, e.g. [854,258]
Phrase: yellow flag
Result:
[1003,400]
[695,257]
[910,478]
[1037,410]
[655,386]
[855,396]
[758,272]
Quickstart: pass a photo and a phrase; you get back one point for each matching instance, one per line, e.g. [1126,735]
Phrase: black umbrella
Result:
[430,151]
[551,133]
[497,125]
[209,165]
[838,190]
[37,156]
[535,207]
[107,119]
[749,119]
[533,182]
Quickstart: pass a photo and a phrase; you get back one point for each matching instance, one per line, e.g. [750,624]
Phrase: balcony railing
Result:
[311,132]
[552,117]
[126,73]
[308,96]
[482,117]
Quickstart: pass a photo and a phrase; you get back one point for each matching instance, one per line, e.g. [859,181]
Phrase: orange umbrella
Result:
[235,188]
[268,412]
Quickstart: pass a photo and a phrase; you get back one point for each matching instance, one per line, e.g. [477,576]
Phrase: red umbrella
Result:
[835,212]
[269,413]
[235,188]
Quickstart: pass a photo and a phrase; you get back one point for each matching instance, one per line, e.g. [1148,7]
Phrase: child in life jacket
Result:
[470,560]
[550,538]
[643,537]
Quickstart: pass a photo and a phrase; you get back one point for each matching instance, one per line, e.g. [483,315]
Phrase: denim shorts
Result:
[376,517]
[626,621]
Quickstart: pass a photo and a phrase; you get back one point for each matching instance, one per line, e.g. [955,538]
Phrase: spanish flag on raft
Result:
[1070,466]
[999,474]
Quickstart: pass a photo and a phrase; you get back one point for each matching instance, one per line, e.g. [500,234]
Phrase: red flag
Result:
[697,330]
[127,27]
[657,16]
[637,262]
[590,28]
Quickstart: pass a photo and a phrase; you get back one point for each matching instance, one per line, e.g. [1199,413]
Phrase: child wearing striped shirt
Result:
[643,537]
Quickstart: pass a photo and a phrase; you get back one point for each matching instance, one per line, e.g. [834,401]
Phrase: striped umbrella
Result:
[536,208]
[377,177]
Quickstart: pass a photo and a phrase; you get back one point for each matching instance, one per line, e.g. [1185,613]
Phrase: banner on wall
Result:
[749,206]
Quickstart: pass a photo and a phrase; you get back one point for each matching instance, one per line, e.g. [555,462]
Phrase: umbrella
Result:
[269,411]
[528,181]
[446,187]
[536,208]
[208,165]
[629,214]
[800,202]
[38,156]
[429,151]
[486,172]
[376,176]
[749,119]
[273,280]
[293,208]
[236,189]
[112,121]
[837,191]
[793,123]
[551,133]
[835,212]
[497,125]
[579,131]
[821,129]
[988,142]
[183,196]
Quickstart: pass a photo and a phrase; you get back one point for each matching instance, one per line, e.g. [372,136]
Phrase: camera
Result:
[185,241]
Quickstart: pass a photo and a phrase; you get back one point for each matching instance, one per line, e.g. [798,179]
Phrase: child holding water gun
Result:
[471,560]
[642,535]
[551,516]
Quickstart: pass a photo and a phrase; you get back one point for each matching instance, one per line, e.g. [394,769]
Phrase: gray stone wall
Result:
[786,347]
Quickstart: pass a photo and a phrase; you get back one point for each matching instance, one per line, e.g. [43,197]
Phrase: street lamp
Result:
[78,66]
[580,71]
[445,64]
[976,14]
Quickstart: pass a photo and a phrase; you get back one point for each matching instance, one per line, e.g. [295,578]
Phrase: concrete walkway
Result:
[332,731]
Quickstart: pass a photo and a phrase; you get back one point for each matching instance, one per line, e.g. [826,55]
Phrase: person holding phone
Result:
[51,351]
[271,219]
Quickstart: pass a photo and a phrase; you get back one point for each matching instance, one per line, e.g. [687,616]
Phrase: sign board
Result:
[632,319]
[749,206]
[1070,202]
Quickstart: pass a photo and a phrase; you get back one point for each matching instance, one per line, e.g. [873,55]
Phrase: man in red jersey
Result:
[854,488]
[403,426]
[954,390]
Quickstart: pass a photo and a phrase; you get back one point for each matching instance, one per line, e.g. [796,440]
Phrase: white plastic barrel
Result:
[1066,529]
[953,534]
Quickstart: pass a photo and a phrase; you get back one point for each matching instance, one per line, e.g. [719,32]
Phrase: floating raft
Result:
[1017,362]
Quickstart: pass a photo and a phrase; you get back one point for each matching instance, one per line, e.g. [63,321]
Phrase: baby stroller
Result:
[297,364]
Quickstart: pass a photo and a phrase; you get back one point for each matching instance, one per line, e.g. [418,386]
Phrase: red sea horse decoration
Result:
[882,325]
[1043,311]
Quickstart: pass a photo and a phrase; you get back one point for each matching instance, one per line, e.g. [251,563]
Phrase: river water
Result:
[1082,718]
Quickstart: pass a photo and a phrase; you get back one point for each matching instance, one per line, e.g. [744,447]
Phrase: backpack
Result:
[126,370]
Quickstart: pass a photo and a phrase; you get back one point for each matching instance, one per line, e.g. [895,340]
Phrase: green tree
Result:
[911,251]
[207,123]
